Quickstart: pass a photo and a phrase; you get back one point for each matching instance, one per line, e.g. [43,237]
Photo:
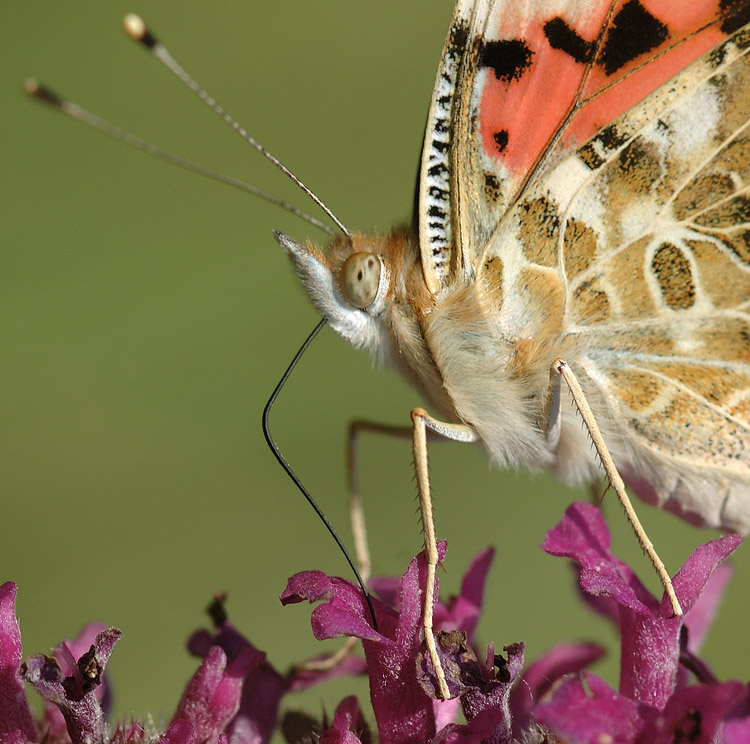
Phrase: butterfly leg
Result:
[421,423]
[357,520]
[356,509]
[561,371]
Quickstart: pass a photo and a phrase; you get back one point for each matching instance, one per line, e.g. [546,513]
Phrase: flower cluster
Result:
[666,692]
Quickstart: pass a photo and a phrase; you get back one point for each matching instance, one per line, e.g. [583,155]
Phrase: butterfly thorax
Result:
[478,350]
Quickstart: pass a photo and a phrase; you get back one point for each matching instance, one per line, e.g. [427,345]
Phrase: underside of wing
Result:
[521,84]
[650,236]
[440,246]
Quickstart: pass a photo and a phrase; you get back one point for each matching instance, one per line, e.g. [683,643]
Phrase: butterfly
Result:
[581,222]
[570,206]
[582,197]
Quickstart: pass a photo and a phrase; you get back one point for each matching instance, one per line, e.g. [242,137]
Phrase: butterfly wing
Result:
[658,285]
[633,252]
[584,174]
[520,84]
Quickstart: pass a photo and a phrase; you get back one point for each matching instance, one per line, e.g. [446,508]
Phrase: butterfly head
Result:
[350,285]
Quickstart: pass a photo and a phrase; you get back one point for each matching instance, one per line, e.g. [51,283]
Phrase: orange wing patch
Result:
[556,77]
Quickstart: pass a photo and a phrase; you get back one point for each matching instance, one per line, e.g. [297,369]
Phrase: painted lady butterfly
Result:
[581,196]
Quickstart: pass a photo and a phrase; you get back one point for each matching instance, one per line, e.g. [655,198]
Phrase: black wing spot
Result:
[501,139]
[563,37]
[509,59]
[634,32]
[492,187]
[736,14]
[611,138]
[675,278]
[590,157]
[459,38]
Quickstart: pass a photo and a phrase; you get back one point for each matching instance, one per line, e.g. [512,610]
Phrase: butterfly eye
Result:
[360,279]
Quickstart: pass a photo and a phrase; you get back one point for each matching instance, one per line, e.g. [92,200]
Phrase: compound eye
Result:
[360,279]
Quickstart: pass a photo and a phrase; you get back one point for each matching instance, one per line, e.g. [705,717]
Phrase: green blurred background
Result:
[146,314]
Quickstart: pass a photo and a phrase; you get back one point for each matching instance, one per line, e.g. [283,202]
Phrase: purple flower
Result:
[401,688]
[75,693]
[16,722]
[349,725]
[67,654]
[666,692]
[403,710]
[256,716]
[653,703]
[234,695]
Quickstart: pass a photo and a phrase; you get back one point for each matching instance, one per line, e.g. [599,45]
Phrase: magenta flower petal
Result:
[601,714]
[692,578]
[303,679]
[75,695]
[700,616]
[540,676]
[179,732]
[345,612]
[693,714]
[212,697]
[262,687]
[385,588]
[257,716]
[16,723]
[494,692]
[649,637]
[736,732]
[402,709]
[650,642]
[349,725]
[480,729]
[583,536]
[67,654]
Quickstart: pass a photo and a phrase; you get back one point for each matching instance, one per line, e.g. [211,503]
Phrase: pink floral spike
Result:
[67,654]
[235,695]
[16,723]
[349,725]
[403,710]
[212,696]
[75,695]
[650,638]
[653,706]
[180,732]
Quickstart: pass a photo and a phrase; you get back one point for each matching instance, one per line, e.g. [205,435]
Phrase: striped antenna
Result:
[137,30]
[49,97]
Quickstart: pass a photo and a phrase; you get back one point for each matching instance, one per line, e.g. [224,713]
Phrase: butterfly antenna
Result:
[46,95]
[284,464]
[137,30]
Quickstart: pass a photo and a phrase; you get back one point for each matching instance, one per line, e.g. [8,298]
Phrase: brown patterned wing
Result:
[647,228]
[522,84]
[661,301]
